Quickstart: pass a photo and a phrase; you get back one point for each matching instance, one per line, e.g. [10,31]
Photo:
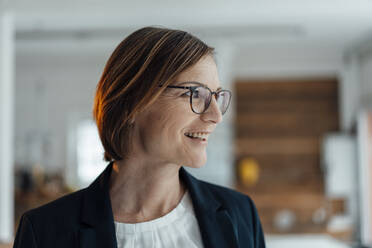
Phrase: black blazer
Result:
[84,219]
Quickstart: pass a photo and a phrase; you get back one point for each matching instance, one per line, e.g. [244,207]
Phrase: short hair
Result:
[148,58]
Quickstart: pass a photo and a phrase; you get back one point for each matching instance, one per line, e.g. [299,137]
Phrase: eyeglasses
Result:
[201,97]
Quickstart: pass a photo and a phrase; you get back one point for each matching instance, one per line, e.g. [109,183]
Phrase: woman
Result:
[156,103]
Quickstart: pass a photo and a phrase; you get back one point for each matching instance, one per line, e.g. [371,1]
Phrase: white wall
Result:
[287,59]
[50,88]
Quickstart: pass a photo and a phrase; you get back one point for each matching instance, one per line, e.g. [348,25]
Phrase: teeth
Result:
[198,135]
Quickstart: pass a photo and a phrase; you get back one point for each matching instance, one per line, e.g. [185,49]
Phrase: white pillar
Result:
[364,184]
[6,126]
[350,91]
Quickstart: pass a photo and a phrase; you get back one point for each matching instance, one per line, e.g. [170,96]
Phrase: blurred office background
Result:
[298,136]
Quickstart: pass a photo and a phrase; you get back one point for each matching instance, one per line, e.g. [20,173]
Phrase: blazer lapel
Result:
[216,225]
[87,237]
[97,220]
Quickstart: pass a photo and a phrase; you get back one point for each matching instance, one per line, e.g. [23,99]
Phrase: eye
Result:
[195,94]
[187,93]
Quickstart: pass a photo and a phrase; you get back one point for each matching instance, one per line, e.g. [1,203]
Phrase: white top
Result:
[178,228]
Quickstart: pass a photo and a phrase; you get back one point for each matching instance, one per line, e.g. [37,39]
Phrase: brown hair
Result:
[130,82]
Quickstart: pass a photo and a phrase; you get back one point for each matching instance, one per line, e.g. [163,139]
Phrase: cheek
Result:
[163,128]
[170,118]
[163,125]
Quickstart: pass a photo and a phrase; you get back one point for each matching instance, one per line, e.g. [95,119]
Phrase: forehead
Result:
[204,72]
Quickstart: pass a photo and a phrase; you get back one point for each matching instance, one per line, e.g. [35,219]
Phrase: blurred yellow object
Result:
[248,171]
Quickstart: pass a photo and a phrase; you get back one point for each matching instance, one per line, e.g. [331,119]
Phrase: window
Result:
[89,152]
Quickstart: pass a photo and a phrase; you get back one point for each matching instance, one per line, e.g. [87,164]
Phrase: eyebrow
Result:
[194,82]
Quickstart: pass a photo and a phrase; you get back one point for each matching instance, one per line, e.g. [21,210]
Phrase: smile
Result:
[199,135]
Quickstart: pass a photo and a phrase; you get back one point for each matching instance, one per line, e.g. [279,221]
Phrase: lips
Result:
[198,135]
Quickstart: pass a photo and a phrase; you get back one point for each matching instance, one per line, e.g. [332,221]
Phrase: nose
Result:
[213,112]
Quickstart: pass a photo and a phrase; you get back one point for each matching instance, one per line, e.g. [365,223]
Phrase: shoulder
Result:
[51,225]
[206,193]
[62,210]
[231,198]
[242,210]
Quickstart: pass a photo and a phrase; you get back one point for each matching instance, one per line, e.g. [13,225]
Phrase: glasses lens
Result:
[223,100]
[200,98]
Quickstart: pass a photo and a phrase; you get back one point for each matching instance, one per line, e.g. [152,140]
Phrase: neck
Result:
[142,191]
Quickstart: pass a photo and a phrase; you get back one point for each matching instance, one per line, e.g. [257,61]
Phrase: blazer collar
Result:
[217,227]
[98,228]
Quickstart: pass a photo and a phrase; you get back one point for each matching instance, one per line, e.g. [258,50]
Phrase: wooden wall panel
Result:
[309,106]
[280,124]
[288,89]
[285,124]
[278,145]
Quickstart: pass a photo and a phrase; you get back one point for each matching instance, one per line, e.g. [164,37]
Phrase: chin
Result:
[196,163]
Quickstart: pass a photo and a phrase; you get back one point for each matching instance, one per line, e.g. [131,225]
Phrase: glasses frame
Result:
[213,93]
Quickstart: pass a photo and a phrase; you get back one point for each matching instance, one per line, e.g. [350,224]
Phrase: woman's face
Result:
[160,130]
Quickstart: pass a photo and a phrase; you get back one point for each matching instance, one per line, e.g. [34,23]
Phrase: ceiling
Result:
[334,23]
